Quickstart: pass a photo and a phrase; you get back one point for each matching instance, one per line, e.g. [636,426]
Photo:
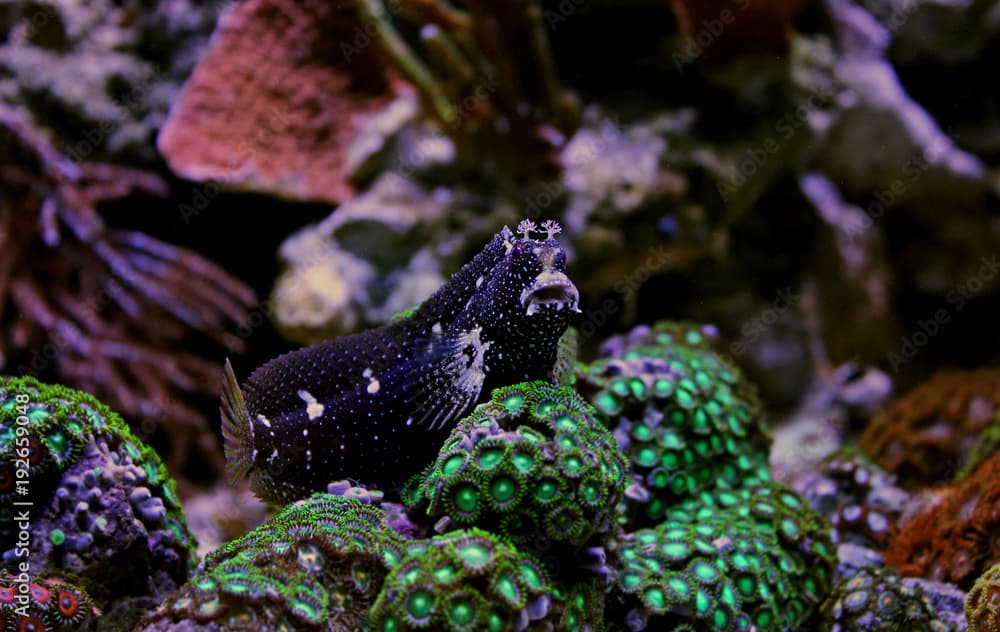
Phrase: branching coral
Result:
[473,580]
[109,311]
[956,535]
[46,604]
[101,504]
[684,416]
[982,604]
[534,465]
[317,565]
[926,435]
[875,600]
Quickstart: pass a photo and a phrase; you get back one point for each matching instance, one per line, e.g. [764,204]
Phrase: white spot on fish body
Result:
[313,408]
[479,281]
[373,386]
[264,420]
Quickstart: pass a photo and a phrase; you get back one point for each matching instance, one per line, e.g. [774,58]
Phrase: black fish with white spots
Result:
[373,407]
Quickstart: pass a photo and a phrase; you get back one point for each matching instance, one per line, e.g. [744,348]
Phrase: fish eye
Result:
[560,259]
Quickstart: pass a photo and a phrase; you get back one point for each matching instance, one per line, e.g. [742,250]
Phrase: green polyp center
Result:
[513,402]
[419,604]
[503,489]
[489,458]
[545,407]
[494,622]
[607,403]
[462,612]
[679,586]
[646,457]
[466,498]
[655,597]
[508,588]
[57,537]
[675,549]
[453,464]
[573,464]
[476,554]
[524,461]
[58,443]
[546,490]
[205,583]
[532,576]
[565,422]
[445,573]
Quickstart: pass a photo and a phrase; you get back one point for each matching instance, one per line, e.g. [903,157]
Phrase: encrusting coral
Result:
[533,465]
[43,604]
[101,503]
[317,565]
[875,600]
[106,310]
[280,99]
[925,435]
[982,604]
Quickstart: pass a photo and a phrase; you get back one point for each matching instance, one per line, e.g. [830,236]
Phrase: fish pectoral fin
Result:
[449,377]
[236,430]
[563,371]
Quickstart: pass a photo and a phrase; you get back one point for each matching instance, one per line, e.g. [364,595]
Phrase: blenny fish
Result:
[374,407]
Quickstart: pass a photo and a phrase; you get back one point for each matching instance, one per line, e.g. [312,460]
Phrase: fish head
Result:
[529,290]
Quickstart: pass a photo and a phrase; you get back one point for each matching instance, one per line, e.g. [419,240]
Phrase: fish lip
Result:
[550,289]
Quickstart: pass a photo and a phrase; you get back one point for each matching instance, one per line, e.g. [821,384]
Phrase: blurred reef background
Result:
[815,183]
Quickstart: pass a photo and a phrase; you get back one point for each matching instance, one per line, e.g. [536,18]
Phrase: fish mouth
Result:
[551,290]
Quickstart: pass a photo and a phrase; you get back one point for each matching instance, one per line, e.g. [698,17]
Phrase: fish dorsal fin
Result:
[449,376]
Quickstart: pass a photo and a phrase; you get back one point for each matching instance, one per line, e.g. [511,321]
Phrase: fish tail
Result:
[237,434]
